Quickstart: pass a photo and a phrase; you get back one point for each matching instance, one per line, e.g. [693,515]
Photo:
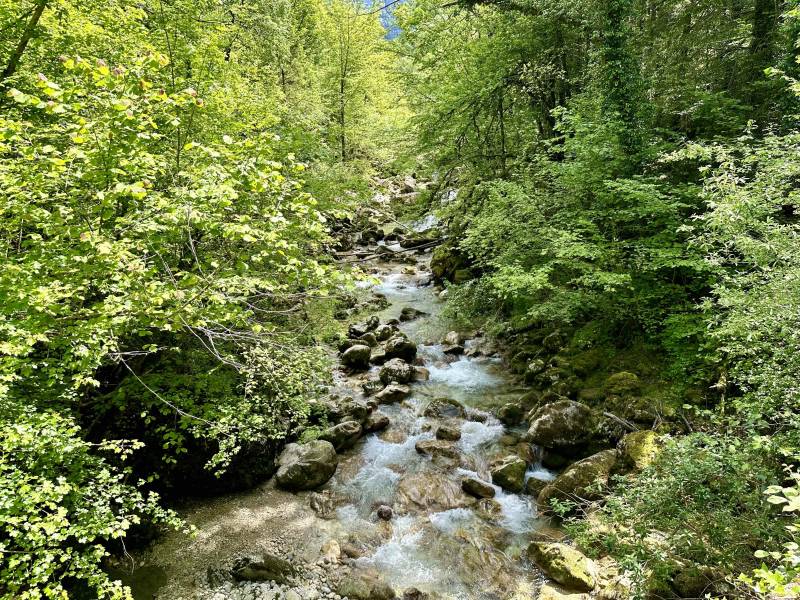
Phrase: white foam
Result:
[450,521]
[539,472]
[400,558]
[465,374]
[475,435]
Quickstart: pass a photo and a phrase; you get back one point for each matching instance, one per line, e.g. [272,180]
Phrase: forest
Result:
[212,210]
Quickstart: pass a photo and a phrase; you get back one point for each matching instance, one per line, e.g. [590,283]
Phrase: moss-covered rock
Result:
[446,260]
[564,564]
[638,449]
[562,424]
[623,383]
[510,474]
[582,480]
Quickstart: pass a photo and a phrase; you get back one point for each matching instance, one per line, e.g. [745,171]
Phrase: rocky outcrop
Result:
[564,564]
[357,357]
[562,425]
[584,480]
[396,371]
[510,474]
[477,487]
[306,466]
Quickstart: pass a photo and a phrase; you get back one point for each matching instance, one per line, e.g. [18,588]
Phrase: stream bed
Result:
[439,541]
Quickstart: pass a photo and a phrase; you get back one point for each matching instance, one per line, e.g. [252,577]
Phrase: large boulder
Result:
[306,466]
[377,421]
[357,357]
[342,436]
[565,565]
[393,393]
[445,408]
[510,474]
[583,480]
[562,424]
[399,346]
[364,585]
[409,313]
[477,487]
[396,371]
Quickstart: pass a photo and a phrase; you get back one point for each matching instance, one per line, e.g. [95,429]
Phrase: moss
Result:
[639,449]
[564,564]
[623,383]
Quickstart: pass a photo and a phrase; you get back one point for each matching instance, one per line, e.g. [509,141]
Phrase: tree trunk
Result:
[27,34]
[762,56]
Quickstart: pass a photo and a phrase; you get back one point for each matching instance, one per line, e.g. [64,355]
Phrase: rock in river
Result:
[306,466]
[364,585]
[510,474]
[396,371]
[399,346]
[448,431]
[445,408]
[342,436]
[477,487]
[393,393]
[431,492]
[357,357]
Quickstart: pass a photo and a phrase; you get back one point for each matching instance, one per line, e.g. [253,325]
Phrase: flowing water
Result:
[439,540]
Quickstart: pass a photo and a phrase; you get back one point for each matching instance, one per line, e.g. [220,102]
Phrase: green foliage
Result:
[167,185]
[61,502]
[658,521]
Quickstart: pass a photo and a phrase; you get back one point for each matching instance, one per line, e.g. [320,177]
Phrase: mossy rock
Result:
[623,383]
[584,480]
[639,449]
[565,565]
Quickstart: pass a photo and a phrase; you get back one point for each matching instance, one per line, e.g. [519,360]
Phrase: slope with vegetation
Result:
[627,226]
[627,183]
[169,172]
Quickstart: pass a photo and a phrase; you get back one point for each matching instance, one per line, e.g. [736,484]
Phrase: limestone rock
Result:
[448,431]
[582,479]
[306,466]
[564,564]
[376,422]
[551,592]
[437,448]
[269,568]
[477,487]
[399,346]
[510,474]
[511,414]
[622,384]
[397,371]
[431,492]
[561,424]
[357,357]
[638,449]
[445,408]
[364,585]
[393,393]
[342,436]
